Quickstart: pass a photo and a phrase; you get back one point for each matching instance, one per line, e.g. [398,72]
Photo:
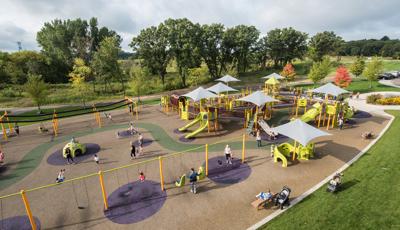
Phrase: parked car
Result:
[386,76]
[396,74]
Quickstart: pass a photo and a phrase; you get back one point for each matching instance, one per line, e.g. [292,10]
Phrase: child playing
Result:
[96,159]
[141,177]
[60,177]
[1,157]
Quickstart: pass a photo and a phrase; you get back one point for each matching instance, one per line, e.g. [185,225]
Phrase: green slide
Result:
[203,125]
[195,121]
[310,115]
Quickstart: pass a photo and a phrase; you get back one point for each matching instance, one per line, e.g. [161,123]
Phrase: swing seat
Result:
[201,173]
[181,181]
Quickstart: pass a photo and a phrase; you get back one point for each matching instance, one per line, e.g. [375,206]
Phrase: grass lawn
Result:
[369,198]
[360,85]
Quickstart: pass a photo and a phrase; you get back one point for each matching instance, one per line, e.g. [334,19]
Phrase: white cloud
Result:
[356,19]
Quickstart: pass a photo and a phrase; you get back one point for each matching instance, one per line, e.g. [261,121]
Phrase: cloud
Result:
[356,19]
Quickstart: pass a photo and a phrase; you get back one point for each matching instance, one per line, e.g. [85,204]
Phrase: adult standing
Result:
[16,128]
[193,180]
[68,154]
[133,150]
[140,140]
[228,154]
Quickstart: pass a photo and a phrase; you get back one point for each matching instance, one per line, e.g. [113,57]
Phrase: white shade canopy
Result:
[275,75]
[220,88]
[199,93]
[227,78]
[300,131]
[258,98]
[330,89]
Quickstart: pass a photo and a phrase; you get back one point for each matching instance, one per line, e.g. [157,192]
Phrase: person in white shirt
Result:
[228,154]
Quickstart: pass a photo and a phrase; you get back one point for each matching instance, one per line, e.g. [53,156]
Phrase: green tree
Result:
[241,40]
[105,63]
[286,44]
[36,88]
[210,48]
[139,81]
[358,66]
[372,70]
[80,72]
[152,47]
[261,52]
[319,70]
[325,43]
[62,41]
[197,76]
[184,39]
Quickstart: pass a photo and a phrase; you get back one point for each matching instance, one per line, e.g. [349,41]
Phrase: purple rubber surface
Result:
[185,140]
[134,202]
[125,134]
[146,142]
[18,223]
[56,158]
[362,114]
[176,131]
[226,173]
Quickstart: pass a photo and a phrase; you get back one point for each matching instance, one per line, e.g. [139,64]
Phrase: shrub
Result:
[371,99]
[9,92]
[389,101]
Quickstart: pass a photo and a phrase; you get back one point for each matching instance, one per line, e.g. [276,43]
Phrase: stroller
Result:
[282,198]
[334,184]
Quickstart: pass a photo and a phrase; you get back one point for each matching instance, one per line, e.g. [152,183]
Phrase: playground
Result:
[182,132]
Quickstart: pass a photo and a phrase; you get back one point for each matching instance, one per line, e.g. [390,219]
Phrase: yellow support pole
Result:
[103,190]
[329,119]
[206,159]
[137,112]
[161,173]
[28,210]
[319,118]
[8,120]
[294,150]
[4,131]
[243,147]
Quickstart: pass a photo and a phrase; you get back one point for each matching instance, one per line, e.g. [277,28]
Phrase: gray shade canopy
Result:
[275,75]
[199,93]
[220,88]
[227,78]
[258,98]
[300,131]
[330,89]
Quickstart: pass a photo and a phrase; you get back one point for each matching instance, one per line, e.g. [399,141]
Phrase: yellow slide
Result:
[195,121]
[203,125]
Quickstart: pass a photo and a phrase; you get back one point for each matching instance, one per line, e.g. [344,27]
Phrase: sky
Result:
[20,20]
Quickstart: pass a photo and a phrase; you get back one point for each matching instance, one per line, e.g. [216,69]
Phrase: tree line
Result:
[67,45]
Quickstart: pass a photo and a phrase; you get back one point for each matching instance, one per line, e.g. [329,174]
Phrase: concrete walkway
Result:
[361,104]
[392,83]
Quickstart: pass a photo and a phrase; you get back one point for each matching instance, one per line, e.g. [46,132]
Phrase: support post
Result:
[4,131]
[28,210]
[243,147]
[10,128]
[161,173]
[206,159]
[103,190]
